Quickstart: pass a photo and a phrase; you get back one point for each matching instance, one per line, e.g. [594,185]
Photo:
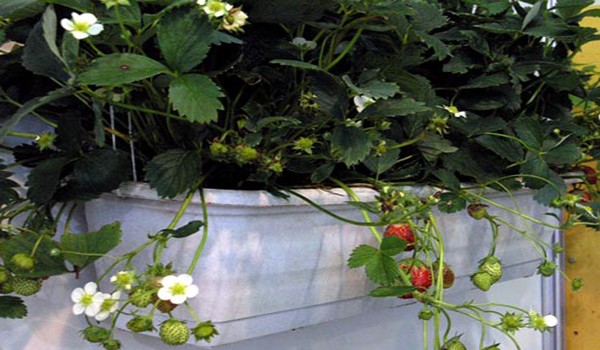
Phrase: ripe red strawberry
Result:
[402,231]
[420,275]
[590,174]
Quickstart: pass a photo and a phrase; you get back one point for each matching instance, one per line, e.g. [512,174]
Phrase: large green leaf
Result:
[571,8]
[350,144]
[486,81]
[44,179]
[85,248]
[375,89]
[196,97]
[46,262]
[563,154]
[394,108]
[506,148]
[121,68]
[184,38]
[173,172]
[39,58]
[530,132]
[538,170]
[7,192]
[12,307]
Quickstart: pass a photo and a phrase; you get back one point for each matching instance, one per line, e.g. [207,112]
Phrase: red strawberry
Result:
[590,174]
[402,231]
[420,275]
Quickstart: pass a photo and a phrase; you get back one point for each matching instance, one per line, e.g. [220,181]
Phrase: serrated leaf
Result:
[447,178]
[486,81]
[451,203]
[440,49]
[12,307]
[350,144]
[392,291]
[563,154]
[173,172]
[361,255]
[556,188]
[392,245]
[383,163]
[536,167]
[434,145]
[394,108]
[121,68]
[46,264]
[383,269]
[84,248]
[196,97]
[530,132]
[506,148]
[181,50]
[375,89]
[187,230]
[7,192]
[44,179]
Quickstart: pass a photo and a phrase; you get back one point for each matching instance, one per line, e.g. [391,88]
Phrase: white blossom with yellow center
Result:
[82,25]
[110,304]
[234,20]
[215,8]
[177,289]
[87,300]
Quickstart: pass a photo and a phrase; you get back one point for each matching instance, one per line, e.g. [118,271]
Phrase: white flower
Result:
[234,20]
[177,289]
[87,299]
[110,304]
[123,279]
[304,44]
[455,112]
[536,73]
[550,320]
[362,101]
[215,8]
[82,25]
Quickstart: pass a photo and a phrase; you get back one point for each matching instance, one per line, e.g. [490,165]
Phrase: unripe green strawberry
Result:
[112,344]
[511,322]
[425,314]
[174,332]
[140,324]
[218,149]
[547,268]
[23,261]
[576,284]
[454,344]
[141,297]
[205,331]
[26,286]
[95,334]
[4,275]
[492,266]
[482,281]
[477,211]
[6,287]
[245,154]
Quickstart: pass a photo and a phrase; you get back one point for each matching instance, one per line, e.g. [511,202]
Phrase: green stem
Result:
[346,49]
[200,248]
[363,212]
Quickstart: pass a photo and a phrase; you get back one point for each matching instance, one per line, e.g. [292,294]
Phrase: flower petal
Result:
[101,316]
[164,293]
[168,281]
[92,310]
[78,309]
[185,279]
[87,18]
[178,299]
[95,29]
[191,291]
[79,35]
[90,288]
[67,24]
[77,294]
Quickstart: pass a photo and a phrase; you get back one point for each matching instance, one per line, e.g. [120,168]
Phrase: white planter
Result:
[272,265]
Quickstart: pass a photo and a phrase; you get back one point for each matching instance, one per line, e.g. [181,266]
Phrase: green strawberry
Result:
[112,344]
[454,344]
[425,314]
[547,268]
[482,281]
[140,324]
[477,211]
[492,266]
[141,297]
[4,275]
[174,332]
[95,334]
[23,261]
[26,286]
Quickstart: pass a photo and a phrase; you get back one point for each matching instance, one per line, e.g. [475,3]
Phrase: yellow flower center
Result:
[178,289]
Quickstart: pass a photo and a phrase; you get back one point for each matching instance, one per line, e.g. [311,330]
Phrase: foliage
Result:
[273,94]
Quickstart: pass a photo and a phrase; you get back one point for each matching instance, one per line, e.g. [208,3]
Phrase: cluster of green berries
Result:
[488,273]
[11,283]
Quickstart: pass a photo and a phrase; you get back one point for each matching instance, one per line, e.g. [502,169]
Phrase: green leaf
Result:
[121,68]
[486,81]
[46,264]
[39,58]
[84,248]
[506,148]
[532,13]
[383,269]
[44,179]
[447,178]
[322,173]
[571,8]
[440,49]
[181,50]
[427,16]
[173,172]
[79,5]
[49,29]
[196,97]
[536,167]
[563,154]
[375,89]
[128,15]
[361,255]
[392,245]
[189,229]
[451,203]
[392,291]
[434,145]
[12,307]
[530,132]
[350,144]
[556,188]
[383,163]
[394,108]
[19,9]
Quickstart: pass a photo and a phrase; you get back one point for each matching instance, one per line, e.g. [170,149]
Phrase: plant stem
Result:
[204,235]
